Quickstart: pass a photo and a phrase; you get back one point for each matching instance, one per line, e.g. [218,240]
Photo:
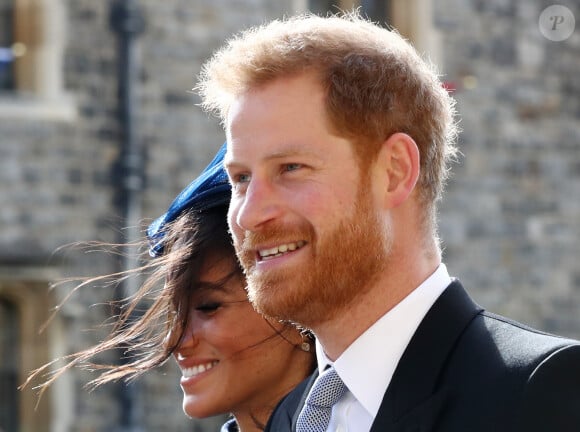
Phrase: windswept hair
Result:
[376,84]
[151,323]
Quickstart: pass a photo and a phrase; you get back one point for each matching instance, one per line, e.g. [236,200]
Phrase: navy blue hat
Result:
[209,190]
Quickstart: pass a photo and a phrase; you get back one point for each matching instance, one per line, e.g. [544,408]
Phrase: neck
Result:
[250,422]
[345,326]
[294,367]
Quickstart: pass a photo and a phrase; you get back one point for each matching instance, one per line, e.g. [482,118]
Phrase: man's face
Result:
[305,222]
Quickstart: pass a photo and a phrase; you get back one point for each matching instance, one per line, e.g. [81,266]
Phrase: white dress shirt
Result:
[368,364]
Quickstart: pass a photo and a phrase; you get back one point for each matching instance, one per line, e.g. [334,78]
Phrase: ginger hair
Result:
[376,84]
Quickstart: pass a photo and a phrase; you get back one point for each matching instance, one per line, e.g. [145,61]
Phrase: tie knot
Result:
[327,390]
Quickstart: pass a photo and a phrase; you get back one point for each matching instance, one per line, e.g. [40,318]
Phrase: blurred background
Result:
[99,131]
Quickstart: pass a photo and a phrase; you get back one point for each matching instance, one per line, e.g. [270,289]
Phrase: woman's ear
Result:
[399,161]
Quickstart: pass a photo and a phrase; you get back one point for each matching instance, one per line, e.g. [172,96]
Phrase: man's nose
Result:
[258,205]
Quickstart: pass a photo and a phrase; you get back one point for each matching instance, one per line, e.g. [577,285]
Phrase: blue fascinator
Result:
[209,190]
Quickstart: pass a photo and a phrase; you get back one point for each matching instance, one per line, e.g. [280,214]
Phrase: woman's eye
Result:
[208,308]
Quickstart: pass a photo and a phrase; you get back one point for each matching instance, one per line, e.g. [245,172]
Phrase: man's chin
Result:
[281,308]
[270,298]
[264,300]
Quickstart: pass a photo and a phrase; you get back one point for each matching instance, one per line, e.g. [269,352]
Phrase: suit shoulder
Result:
[518,342]
[563,362]
[506,373]
[551,399]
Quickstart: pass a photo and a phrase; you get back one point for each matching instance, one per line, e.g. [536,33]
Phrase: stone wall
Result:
[510,220]
[58,183]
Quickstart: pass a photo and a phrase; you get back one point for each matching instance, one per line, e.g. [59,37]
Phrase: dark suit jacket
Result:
[466,370]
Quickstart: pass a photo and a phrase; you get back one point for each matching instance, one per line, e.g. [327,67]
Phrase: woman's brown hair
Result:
[151,323]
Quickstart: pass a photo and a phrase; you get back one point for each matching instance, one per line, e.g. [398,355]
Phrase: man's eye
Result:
[292,166]
[242,178]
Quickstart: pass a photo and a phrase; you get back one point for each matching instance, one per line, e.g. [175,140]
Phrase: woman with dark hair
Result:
[232,359]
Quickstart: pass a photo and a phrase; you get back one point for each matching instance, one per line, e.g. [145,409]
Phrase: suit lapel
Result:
[414,397]
[420,418]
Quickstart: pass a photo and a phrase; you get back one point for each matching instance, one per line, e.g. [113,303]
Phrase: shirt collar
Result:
[368,364]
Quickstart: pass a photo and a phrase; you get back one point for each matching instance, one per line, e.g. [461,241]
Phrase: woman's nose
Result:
[189,338]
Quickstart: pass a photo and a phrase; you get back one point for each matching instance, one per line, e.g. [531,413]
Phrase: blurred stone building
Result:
[77,163]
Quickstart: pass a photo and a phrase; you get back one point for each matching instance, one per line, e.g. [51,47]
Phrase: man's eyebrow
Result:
[230,164]
[289,152]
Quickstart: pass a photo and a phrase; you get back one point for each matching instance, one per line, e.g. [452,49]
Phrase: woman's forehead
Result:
[216,266]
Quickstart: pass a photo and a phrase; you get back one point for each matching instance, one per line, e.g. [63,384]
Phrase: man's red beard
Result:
[343,263]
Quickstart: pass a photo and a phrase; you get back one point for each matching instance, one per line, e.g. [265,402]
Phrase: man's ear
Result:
[399,161]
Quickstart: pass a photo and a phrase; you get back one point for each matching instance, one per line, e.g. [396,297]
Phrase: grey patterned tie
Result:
[325,392]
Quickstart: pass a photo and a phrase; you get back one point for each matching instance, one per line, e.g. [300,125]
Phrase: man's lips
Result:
[276,251]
